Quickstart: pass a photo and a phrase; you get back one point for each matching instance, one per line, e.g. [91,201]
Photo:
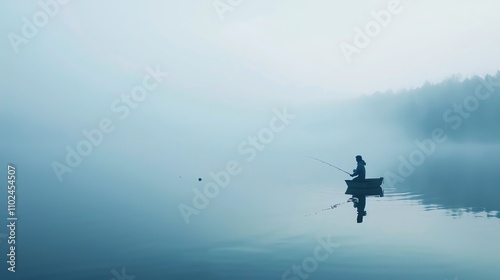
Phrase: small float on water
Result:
[366,187]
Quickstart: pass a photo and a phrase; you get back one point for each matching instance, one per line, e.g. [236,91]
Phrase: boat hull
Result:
[367,187]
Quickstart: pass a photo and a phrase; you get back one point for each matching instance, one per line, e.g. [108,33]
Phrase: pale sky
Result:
[260,49]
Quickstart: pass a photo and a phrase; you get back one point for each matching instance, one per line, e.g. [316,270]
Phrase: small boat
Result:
[367,187]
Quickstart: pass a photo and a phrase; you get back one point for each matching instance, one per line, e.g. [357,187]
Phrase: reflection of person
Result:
[360,171]
[360,205]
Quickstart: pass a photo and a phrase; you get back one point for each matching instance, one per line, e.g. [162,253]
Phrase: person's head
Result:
[359,160]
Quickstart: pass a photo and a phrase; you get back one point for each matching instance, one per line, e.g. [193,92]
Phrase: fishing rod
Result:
[330,165]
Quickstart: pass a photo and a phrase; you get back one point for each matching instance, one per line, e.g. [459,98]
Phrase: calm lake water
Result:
[120,235]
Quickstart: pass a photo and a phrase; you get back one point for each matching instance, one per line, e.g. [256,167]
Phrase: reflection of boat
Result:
[365,187]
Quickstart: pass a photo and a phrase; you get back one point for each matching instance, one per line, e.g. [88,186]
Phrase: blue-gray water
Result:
[93,230]
[117,214]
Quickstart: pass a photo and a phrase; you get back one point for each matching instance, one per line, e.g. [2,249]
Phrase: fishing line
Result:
[352,199]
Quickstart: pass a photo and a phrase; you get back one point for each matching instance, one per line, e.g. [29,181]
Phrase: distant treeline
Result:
[468,109]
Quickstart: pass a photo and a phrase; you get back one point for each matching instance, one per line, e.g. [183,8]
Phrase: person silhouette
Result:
[360,170]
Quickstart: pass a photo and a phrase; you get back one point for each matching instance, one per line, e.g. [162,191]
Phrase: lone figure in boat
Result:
[360,171]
